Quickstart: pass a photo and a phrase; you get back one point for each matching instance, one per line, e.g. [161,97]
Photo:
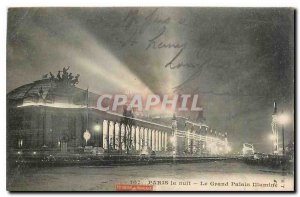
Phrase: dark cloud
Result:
[238,60]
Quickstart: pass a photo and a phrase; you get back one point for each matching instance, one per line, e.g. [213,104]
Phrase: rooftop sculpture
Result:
[64,77]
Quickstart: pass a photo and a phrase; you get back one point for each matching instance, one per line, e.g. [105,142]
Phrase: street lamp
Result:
[97,127]
[86,136]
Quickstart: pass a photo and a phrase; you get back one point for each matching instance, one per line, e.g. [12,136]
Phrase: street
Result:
[205,176]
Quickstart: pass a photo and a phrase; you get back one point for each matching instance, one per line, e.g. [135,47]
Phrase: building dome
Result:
[49,91]
[32,90]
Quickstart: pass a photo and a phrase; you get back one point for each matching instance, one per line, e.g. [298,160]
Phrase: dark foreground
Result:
[200,176]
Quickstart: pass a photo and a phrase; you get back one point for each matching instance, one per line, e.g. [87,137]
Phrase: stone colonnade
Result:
[118,136]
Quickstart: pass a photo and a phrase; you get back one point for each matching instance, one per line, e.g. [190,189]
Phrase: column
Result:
[137,139]
[146,137]
[150,138]
[117,136]
[188,140]
[108,136]
[141,138]
[156,140]
[132,141]
[162,141]
[111,133]
[166,140]
[122,137]
[153,139]
[159,140]
[193,141]
[114,136]
[105,128]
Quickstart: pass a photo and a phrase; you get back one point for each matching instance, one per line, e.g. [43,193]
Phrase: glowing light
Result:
[97,127]
[34,153]
[283,119]
[19,152]
[273,137]
[173,140]
[56,105]
[86,136]
[248,149]
[229,149]
[100,63]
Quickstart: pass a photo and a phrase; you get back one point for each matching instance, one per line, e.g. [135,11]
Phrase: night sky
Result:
[238,60]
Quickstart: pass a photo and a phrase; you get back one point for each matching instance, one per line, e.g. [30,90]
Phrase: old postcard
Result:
[150,99]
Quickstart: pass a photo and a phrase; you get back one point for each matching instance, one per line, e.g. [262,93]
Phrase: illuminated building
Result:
[50,115]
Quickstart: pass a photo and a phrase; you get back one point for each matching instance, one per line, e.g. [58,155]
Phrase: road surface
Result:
[215,175]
